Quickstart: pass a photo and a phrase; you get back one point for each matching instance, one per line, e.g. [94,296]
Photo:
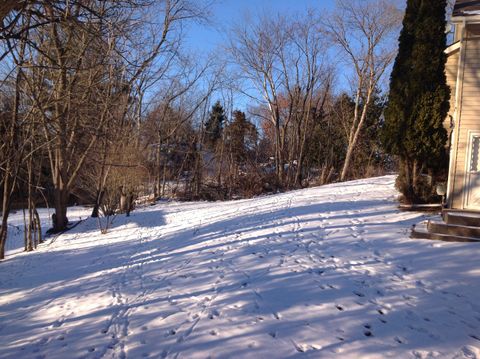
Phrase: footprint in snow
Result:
[382,311]
[359,294]
[57,323]
[42,341]
[383,321]
[468,351]
[400,340]
[214,314]
[316,271]
[423,354]
[408,297]
[301,348]
[171,332]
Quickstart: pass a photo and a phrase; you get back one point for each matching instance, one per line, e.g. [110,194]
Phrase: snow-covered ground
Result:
[16,225]
[325,272]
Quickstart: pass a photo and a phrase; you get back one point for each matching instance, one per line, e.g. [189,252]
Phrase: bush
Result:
[424,191]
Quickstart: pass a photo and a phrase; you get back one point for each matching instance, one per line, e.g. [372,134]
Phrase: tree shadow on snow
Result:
[344,283]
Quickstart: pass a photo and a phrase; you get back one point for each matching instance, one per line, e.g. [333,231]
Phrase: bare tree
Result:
[75,84]
[284,60]
[364,31]
[307,82]
[13,141]
[9,5]
[254,47]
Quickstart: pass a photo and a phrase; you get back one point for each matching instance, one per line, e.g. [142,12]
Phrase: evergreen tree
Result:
[214,125]
[419,100]
[241,137]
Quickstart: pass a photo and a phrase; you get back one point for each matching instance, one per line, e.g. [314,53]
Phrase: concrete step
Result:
[436,207]
[461,218]
[453,229]
[423,234]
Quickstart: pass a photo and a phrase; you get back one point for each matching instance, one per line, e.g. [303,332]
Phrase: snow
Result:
[317,273]
[16,225]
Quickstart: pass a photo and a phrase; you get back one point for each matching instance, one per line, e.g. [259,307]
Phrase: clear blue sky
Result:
[225,13]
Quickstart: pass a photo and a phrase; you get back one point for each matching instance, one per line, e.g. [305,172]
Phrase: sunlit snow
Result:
[327,272]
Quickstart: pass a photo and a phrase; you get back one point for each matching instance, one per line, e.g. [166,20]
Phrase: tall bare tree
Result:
[76,85]
[364,31]
[14,143]
[255,46]
[284,61]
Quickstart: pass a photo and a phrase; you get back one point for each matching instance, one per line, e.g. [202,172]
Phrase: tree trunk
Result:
[278,153]
[30,228]
[408,169]
[98,202]
[220,163]
[5,210]
[123,201]
[415,180]
[101,183]
[346,164]
[356,127]
[25,232]
[164,173]
[60,220]
[3,234]
[38,226]
[130,203]
[158,165]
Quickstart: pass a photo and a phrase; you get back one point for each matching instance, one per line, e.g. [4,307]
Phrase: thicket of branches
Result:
[101,104]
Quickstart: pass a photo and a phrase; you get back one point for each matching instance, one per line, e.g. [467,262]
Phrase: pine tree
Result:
[241,137]
[419,100]
[214,125]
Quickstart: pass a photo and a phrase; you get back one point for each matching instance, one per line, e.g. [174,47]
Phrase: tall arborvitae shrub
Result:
[419,101]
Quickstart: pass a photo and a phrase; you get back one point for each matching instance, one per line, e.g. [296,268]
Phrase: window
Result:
[474,165]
